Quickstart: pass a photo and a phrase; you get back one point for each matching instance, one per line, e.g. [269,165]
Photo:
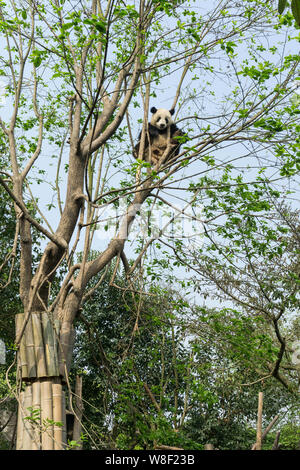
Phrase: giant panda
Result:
[161,131]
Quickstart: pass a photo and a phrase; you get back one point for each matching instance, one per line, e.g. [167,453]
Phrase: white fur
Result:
[161,119]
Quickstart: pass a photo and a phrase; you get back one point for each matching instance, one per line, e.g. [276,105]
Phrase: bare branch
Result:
[54,238]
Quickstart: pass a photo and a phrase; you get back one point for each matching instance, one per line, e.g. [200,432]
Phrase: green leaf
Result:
[66,26]
[281,6]
[99,25]
[37,61]
[296,10]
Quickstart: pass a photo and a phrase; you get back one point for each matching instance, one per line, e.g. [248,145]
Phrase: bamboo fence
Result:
[42,367]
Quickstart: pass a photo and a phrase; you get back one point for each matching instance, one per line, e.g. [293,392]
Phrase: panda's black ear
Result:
[153,110]
[172,111]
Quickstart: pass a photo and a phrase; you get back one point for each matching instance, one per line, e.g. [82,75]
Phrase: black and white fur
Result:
[162,133]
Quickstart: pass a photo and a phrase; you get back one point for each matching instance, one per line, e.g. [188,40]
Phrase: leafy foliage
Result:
[295,7]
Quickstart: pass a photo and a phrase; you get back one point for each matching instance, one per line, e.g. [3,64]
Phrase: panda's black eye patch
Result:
[160,119]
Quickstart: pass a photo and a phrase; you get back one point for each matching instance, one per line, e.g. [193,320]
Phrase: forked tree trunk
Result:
[43,362]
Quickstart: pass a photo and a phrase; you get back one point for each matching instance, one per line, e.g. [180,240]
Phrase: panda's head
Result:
[161,118]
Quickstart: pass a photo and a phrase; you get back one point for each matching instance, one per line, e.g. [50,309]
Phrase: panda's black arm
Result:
[151,131]
[176,132]
[137,146]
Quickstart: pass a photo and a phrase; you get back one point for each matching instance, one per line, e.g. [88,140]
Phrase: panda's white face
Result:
[161,118]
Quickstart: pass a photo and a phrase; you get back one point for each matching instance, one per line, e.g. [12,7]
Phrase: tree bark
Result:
[276,442]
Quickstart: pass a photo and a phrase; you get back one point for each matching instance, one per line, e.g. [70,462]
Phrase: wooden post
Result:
[36,405]
[47,414]
[58,414]
[27,426]
[209,447]
[78,412]
[259,421]
[64,415]
[20,425]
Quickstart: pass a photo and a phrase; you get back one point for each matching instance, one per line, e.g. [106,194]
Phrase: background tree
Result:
[295,8]
[10,302]
[186,376]
[251,262]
